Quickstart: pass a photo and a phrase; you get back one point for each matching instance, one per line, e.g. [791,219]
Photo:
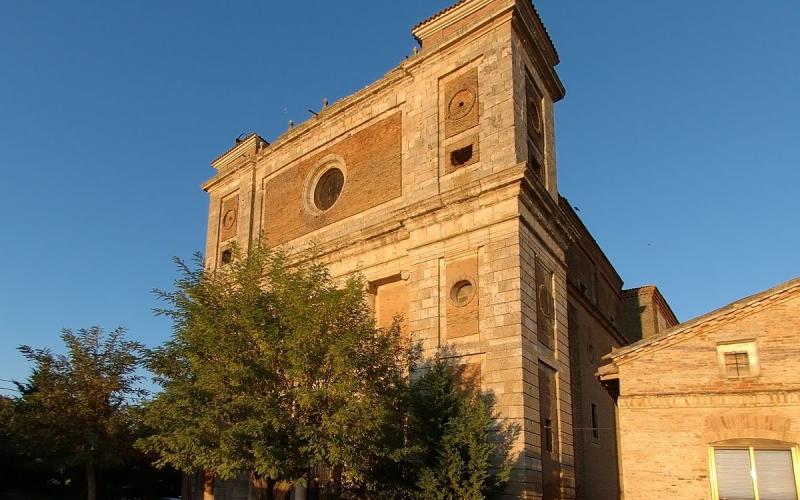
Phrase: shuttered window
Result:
[775,475]
[734,480]
[754,474]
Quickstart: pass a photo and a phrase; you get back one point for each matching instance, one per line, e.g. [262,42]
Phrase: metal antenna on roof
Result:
[240,138]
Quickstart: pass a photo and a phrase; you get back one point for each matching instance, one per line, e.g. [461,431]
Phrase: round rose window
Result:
[328,188]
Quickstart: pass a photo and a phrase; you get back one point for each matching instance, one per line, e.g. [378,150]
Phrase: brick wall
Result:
[674,401]
[371,162]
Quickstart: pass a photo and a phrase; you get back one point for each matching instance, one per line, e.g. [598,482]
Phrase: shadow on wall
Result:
[633,311]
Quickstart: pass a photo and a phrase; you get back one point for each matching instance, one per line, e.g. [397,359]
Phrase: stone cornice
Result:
[532,32]
[450,16]
[535,197]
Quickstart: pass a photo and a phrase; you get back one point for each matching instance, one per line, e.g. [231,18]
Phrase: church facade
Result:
[439,183]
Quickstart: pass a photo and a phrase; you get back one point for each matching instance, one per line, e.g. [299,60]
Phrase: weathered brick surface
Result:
[645,313]
[391,301]
[372,164]
[462,318]
[462,104]
[229,217]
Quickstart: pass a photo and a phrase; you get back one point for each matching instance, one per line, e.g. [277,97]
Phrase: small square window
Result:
[737,364]
[738,360]
[461,156]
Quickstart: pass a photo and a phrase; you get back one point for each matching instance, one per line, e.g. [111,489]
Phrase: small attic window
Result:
[737,360]
[737,364]
[461,156]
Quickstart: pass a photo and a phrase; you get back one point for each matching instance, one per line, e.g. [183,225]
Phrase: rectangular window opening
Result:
[227,256]
[595,427]
[461,156]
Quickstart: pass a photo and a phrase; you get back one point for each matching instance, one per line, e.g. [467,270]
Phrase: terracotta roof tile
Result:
[439,14]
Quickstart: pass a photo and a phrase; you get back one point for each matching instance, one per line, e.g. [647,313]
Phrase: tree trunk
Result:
[208,485]
[260,487]
[300,492]
[187,491]
[91,481]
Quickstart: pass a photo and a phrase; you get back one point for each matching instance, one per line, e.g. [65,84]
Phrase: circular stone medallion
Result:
[229,219]
[462,292]
[461,104]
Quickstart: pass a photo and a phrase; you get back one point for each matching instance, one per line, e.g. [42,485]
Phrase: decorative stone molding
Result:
[749,426]
[710,400]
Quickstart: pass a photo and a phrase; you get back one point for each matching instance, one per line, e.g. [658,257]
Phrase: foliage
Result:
[465,451]
[75,409]
[453,446]
[273,368]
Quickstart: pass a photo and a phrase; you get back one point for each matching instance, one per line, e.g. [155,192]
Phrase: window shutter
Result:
[734,481]
[775,475]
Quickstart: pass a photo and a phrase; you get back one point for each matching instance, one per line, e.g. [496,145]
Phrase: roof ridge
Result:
[716,314]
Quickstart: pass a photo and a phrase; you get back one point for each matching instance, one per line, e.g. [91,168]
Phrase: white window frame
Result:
[748,347]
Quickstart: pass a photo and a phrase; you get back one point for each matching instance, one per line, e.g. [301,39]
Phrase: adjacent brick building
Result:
[439,183]
[711,408]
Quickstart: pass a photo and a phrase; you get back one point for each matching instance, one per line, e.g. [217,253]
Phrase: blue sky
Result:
[678,139]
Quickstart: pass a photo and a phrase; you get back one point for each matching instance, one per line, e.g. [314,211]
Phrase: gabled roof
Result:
[723,314]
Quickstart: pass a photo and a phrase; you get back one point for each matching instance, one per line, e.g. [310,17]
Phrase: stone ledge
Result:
[719,399]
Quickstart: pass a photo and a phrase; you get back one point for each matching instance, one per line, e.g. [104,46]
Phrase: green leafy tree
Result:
[75,409]
[274,369]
